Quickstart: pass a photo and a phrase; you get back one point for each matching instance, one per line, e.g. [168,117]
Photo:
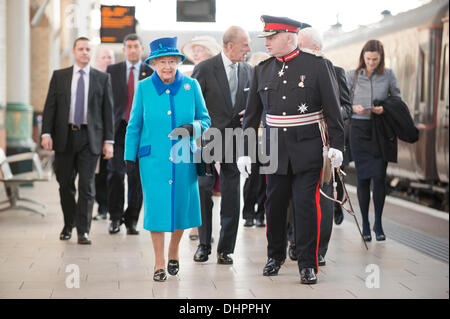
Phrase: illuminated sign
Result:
[117,22]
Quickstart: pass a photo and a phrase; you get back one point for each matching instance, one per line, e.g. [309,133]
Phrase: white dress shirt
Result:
[73,95]
[226,63]
[137,67]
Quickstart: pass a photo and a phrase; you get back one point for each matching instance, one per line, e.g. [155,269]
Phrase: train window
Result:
[444,73]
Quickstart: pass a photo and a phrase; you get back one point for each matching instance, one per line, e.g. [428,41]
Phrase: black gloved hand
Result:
[182,133]
[131,166]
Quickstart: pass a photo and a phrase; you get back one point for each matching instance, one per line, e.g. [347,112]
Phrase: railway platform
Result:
[412,263]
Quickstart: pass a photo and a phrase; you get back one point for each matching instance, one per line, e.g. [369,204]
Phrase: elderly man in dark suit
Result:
[224,80]
[78,125]
[310,41]
[124,78]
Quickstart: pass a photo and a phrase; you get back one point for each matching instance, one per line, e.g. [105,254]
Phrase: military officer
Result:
[296,93]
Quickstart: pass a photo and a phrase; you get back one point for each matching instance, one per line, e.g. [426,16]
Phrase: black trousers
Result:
[229,207]
[77,159]
[326,220]
[303,188]
[116,183]
[101,190]
[254,193]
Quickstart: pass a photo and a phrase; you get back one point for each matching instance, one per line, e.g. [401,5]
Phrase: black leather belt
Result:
[74,127]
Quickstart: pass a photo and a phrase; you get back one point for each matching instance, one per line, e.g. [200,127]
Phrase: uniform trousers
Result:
[303,187]
[77,159]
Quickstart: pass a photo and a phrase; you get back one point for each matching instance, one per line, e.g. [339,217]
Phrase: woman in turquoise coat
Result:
[165,106]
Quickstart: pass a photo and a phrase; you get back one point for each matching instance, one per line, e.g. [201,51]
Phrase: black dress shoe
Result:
[173,266]
[307,276]
[114,227]
[249,222]
[380,236]
[201,255]
[224,259]
[100,217]
[367,237]
[160,275]
[338,215]
[260,223]
[83,239]
[66,234]
[292,254]
[131,229]
[321,261]
[272,267]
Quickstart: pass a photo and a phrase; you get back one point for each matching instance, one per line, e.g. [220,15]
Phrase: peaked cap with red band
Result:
[274,25]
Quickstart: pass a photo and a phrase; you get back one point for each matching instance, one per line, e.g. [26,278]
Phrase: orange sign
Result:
[116,23]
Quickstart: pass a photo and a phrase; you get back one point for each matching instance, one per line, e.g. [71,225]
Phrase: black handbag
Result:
[203,168]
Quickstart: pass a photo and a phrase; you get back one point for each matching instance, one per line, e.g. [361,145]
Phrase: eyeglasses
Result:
[164,63]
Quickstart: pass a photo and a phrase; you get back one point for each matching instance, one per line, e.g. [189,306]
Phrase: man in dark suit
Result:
[224,80]
[124,78]
[78,125]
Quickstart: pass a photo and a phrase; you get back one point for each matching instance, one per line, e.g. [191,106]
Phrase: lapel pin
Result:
[187,87]
[144,74]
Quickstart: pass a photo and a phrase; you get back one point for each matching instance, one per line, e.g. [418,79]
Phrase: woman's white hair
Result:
[314,36]
[150,63]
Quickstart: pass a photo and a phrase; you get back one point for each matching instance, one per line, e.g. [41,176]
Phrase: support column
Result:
[19,112]
[2,74]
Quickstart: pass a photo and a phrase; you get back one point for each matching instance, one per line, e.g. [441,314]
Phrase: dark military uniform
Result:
[298,84]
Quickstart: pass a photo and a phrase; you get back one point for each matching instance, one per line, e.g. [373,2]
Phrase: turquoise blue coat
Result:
[168,173]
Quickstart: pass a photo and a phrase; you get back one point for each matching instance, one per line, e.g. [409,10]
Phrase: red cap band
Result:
[280,26]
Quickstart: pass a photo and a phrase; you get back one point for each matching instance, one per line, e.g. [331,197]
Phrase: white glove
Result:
[244,165]
[336,157]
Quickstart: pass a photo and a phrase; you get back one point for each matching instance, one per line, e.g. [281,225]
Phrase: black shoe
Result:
[160,275]
[307,276]
[338,215]
[322,261]
[379,235]
[83,239]
[193,236]
[260,223]
[367,237]
[114,227]
[249,222]
[100,217]
[224,259]
[66,233]
[131,229]
[173,266]
[201,255]
[292,254]
[272,267]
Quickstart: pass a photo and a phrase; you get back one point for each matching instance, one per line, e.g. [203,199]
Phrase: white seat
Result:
[12,181]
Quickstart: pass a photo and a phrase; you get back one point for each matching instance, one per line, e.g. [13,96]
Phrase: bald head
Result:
[105,57]
[236,43]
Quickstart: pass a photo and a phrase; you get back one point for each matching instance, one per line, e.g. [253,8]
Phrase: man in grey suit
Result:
[224,80]
[78,125]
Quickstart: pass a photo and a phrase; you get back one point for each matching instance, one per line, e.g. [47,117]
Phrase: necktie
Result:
[79,101]
[130,94]
[233,82]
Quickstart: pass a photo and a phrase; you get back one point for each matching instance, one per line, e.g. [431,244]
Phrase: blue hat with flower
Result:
[164,47]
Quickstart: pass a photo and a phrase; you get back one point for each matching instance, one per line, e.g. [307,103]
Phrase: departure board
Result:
[116,23]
